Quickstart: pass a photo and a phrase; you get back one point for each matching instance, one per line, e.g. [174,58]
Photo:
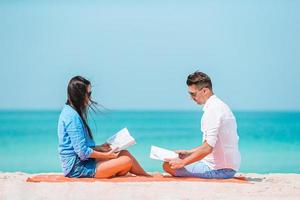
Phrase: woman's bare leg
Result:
[136,167]
[113,167]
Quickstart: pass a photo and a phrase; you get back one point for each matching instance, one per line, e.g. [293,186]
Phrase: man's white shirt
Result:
[219,129]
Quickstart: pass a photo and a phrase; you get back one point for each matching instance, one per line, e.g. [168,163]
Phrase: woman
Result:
[78,154]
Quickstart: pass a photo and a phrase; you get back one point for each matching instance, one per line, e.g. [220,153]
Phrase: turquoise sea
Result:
[269,141]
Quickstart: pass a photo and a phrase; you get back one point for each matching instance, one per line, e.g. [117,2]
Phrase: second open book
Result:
[158,153]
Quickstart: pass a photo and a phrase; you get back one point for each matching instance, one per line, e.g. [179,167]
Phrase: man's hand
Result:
[183,153]
[176,163]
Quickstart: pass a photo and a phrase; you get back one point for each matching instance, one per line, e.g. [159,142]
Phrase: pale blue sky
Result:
[138,55]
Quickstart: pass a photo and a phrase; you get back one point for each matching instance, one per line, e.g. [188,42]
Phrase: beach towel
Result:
[131,178]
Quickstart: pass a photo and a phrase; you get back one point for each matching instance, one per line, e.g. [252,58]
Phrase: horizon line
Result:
[144,110]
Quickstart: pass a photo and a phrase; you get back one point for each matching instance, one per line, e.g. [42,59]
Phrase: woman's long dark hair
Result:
[77,93]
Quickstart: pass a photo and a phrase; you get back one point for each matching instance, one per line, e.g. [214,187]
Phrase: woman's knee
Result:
[124,163]
[126,157]
[112,167]
[124,153]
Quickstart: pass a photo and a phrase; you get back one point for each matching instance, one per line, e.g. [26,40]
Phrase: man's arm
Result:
[198,154]
[185,153]
[194,149]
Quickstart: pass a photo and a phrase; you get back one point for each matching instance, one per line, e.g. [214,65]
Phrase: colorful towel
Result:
[131,178]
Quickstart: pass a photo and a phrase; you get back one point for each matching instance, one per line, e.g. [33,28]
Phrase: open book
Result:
[121,140]
[162,154]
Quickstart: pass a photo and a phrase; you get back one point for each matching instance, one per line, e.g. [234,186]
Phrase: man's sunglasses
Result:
[193,94]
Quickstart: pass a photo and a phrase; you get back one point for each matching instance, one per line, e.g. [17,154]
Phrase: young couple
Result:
[217,157]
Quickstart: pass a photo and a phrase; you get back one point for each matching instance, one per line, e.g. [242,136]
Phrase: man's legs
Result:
[200,170]
[168,169]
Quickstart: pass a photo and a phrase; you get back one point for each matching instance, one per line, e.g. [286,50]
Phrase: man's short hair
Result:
[200,79]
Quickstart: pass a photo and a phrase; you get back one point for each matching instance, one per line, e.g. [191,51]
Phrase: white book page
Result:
[162,154]
[121,140]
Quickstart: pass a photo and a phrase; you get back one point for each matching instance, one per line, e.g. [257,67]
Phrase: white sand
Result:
[264,186]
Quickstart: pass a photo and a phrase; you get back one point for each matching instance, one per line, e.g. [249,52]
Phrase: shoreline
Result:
[13,185]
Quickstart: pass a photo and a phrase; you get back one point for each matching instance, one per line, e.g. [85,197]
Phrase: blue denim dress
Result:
[74,145]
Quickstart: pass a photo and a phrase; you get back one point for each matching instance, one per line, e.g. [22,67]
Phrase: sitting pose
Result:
[218,156]
[79,155]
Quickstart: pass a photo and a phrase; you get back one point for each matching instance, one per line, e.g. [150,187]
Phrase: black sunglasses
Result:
[89,93]
[193,94]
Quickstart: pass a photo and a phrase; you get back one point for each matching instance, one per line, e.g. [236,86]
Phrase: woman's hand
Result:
[112,154]
[102,148]
[105,155]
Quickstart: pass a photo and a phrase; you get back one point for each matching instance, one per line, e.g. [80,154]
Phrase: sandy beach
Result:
[261,186]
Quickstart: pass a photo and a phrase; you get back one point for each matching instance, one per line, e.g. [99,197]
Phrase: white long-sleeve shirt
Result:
[219,129]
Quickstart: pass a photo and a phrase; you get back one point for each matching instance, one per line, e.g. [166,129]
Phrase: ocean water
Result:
[269,141]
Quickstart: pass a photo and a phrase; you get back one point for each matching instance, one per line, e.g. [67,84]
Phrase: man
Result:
[218,156]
